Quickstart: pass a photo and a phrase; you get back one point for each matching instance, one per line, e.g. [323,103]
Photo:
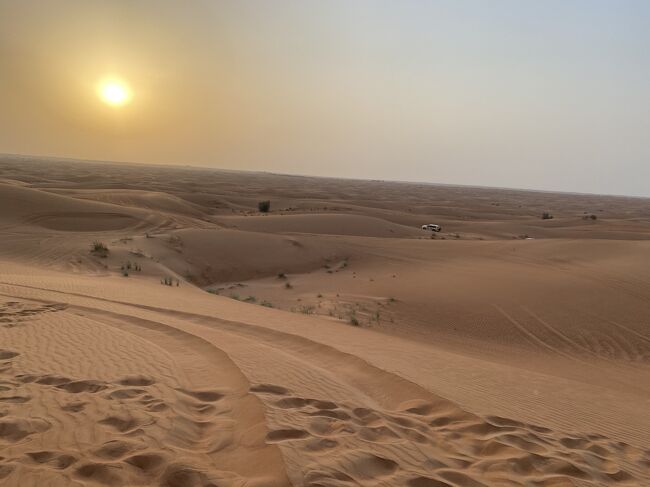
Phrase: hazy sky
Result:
[548,94]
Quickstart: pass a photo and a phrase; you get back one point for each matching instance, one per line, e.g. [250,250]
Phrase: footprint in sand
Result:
[136,381]
[269,389]
[117,449]
[100,473]
[13,430]
[7,354]
[6,470]
[426,482]
[77,386]
[56,460]
[147,463]
[153,405]
[122,424]
[126,393]
[74,407]
[205,396]
[15,399]
[178,475]
[68,385]
[277,436]
[14,314]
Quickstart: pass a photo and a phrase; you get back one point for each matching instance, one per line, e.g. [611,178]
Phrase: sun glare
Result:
[114,92]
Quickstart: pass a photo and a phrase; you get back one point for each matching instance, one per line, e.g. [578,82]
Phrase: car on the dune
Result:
[432,227]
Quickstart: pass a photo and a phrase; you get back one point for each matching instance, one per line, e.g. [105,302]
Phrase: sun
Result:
[114,92]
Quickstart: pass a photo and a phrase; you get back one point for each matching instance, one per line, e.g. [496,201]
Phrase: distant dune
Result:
[330,342]
[322,224]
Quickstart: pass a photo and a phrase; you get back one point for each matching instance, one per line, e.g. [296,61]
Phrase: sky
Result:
[551,94]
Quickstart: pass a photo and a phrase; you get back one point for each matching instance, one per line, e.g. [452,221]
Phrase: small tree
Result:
[264,206]
[547,216]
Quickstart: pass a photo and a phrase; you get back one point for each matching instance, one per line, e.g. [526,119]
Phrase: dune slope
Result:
[339,344]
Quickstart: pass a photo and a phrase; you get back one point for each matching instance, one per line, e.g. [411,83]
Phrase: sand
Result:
[331,342]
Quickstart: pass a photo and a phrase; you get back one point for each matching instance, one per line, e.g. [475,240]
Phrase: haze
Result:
[545,95]
[185,300]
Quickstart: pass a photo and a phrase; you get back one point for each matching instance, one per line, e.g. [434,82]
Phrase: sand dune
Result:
[339,345]
[147,200]
[19,203]
[328,224]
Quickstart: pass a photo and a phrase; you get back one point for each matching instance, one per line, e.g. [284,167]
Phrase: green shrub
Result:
[99,248]
[264,206]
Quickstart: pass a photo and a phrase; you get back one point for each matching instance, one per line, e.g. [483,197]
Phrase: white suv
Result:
[431,227]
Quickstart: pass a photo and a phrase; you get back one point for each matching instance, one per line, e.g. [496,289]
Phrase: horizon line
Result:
[346,178]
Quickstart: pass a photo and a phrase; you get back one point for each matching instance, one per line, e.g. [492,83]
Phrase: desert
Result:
[158,329]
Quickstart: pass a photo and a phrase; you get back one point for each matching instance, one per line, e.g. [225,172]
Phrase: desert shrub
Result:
[307,309]
[250,299]
[547,216]
[287,285]
[266,304]
[168,281]
[264,206]
[99,248]
[282,275]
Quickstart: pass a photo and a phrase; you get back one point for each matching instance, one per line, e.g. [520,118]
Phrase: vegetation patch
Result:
[99,249]
[264,206]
